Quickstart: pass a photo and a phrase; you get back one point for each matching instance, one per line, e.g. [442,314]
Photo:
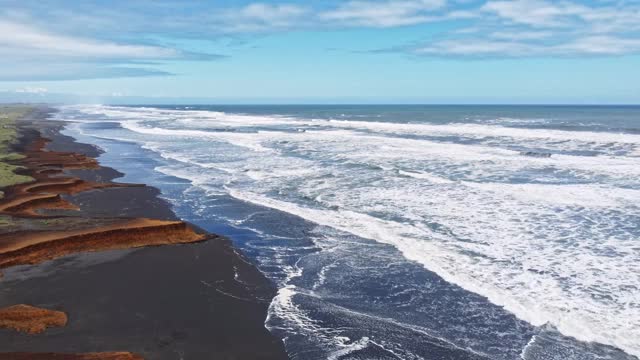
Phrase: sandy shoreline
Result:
[69,250]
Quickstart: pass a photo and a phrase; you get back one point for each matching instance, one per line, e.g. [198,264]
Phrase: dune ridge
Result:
[66,232]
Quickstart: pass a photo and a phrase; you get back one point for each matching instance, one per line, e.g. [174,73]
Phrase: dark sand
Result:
[194,301]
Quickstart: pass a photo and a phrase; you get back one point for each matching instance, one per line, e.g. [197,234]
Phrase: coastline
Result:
[339,294]
[197,300]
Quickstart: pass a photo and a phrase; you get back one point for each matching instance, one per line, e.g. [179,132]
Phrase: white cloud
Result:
[271,13]
[19,39]
[521,28]
[256,17]
[475,47]
[521,35]
[601,45]
[32,90]
[541,13]
[382,13]
[535,12]
[29,52]
[45,70]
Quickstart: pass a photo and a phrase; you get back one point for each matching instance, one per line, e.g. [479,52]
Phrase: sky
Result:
[330,51]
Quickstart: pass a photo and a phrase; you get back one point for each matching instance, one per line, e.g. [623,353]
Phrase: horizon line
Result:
[315,104]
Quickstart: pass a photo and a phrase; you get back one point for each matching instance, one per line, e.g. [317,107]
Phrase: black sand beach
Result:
[192,301]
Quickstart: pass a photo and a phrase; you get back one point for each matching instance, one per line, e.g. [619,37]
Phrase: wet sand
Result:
[200,300]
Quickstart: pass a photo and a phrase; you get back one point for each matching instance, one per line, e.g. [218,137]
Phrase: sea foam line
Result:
[392,233]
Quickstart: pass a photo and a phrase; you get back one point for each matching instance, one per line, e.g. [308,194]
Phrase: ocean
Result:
[407,231]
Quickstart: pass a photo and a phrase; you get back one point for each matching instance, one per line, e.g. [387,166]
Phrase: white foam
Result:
[477,130]
[238,139]
[558,247]
[189,117]
[570,310]
[564,195]
[348,347]
[525,350]
[426,176]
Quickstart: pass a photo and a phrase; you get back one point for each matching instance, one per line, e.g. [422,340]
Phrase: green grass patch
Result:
[6,221]
[11,157]
[9,114]
[8,130]
[8,176]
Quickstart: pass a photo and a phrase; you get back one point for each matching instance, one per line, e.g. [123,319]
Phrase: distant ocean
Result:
[410,232]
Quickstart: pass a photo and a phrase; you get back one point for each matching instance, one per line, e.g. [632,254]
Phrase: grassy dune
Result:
[8,136]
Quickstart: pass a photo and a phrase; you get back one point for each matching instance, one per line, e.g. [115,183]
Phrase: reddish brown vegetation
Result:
[28,200]
[28,246]
[47,167]
[35,247]
[30,319]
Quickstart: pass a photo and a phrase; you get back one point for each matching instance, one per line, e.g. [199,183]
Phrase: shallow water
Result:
[410,231]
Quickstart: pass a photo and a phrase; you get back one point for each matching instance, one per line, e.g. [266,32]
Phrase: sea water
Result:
[410,232]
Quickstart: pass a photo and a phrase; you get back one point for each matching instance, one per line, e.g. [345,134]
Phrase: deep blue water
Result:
[410,232]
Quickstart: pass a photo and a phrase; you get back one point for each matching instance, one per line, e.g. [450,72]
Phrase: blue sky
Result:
[417,51]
